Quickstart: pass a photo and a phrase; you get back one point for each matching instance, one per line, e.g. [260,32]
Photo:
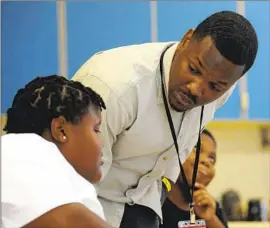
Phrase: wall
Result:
[259,76]
[242,163]
[96,26]
[29,45]
[29,39]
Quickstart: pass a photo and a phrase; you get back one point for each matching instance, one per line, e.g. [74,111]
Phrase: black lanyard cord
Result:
[186,185]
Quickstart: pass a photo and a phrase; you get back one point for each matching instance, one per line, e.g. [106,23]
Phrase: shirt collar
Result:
[167,62]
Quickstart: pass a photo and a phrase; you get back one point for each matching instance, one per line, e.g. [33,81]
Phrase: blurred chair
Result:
[231,203]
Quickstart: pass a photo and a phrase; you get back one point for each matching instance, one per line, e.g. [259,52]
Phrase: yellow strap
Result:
[167,184]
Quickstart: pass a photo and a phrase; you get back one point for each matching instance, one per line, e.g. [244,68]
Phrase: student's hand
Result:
[204,203]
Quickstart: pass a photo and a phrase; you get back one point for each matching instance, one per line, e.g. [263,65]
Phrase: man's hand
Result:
[204,203]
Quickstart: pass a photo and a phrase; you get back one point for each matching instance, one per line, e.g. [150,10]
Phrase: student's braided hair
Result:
[46,98]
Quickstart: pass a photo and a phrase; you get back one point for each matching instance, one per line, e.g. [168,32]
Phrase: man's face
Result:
[199,74]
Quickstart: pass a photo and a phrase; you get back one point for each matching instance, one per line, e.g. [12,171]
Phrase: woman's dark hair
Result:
[45,98]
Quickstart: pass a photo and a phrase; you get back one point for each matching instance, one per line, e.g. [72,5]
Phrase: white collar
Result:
[167,62]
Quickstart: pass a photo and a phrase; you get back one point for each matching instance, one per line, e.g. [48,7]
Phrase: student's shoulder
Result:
[32,156]
[37,178]
[30,147]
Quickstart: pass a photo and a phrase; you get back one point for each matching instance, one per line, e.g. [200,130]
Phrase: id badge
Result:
[200,223]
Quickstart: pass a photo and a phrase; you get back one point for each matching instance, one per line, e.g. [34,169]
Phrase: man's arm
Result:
[68,216]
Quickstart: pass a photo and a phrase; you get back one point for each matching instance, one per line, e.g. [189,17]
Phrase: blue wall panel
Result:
[95,26]
[176,17]
[29,40]
[259,76]
[29,45]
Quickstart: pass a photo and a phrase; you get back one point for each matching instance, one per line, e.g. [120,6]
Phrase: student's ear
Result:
[59,127]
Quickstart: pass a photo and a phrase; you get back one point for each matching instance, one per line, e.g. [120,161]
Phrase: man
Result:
[138,150]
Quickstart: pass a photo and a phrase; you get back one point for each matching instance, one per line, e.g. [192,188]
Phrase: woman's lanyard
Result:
[169,117]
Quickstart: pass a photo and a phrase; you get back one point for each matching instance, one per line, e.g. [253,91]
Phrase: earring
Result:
[64,137]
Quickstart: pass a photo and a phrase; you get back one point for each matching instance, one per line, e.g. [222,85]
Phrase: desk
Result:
[249,224]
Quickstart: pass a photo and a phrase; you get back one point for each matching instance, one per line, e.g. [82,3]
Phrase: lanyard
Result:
[198,147]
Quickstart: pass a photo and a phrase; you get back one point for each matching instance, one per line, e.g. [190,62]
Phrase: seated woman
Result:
[176,206]
[50,156]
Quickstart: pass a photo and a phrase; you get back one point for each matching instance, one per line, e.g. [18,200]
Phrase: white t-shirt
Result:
[36,178]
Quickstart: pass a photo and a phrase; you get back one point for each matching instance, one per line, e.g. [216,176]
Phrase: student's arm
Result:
[220,218]
[206,207]
[68,216]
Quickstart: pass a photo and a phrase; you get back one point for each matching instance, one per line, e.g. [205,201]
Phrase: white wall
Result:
[242,164]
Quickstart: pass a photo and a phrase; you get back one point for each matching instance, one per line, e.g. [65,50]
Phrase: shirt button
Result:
[165,158]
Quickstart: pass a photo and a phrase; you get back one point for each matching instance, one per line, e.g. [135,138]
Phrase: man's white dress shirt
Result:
[138,147]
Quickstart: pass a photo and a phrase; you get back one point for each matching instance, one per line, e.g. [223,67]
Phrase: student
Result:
[176,206]
[50,156]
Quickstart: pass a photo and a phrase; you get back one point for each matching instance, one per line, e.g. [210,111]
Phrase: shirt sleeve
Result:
[173,170]
[115,119]
[30,189]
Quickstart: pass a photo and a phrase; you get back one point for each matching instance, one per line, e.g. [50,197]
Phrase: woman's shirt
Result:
[36,178]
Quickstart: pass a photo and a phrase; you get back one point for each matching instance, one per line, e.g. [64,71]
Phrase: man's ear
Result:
[186,38]
[59,129]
